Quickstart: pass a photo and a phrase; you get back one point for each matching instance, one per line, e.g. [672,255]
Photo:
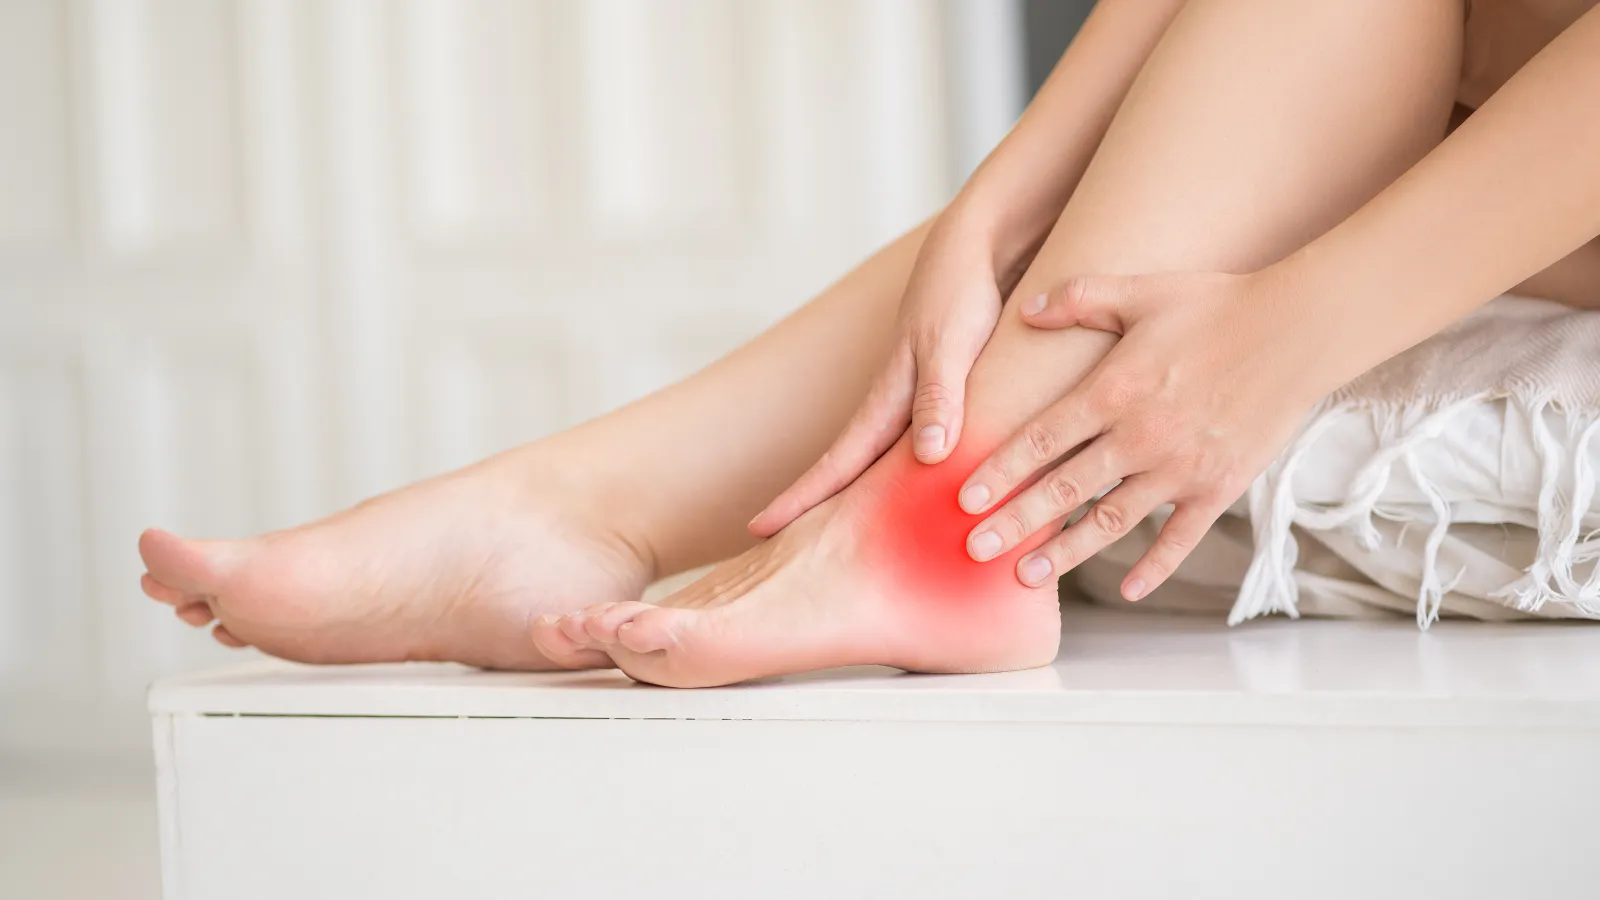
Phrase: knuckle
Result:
[1108,518]
[931,397]
[1168,553]
[1014,523]
[829,463]
[1074,292]
[1062,492]
[1041,442]
[832,468]
[1176,546]
[1213,457]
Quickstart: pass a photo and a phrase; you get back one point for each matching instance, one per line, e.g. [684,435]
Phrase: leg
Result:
[1254,126]
[457,566]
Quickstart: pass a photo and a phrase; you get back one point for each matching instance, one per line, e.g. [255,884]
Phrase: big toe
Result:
[193,567]
[674,648]
[657,628]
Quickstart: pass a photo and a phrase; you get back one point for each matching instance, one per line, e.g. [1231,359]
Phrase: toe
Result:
[192,567]
[572,626]
[602,625]
[196,614]
[159,592]
[655,629]
[562,650]
[226,638]
[549,638]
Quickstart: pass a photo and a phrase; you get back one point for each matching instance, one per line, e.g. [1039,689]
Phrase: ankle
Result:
[545,475]
[916,531]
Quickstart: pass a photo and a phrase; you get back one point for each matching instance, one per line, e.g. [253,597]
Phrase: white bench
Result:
[1159,757]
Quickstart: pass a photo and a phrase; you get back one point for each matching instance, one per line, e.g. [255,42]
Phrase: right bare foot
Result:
[453,568]
[878,574]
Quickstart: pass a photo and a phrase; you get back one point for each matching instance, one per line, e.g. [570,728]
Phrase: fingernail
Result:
[985,546]
[1135,590]
[1036,305]
[929,440]
[974,497]
[1034,570]
[547,619]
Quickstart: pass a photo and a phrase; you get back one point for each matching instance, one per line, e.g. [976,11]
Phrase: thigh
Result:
[1255,126]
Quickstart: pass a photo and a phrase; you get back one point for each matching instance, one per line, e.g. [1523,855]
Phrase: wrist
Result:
[1011,228]
[1310,316]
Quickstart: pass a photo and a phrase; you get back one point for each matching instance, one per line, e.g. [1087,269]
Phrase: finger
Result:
[875,427]
[1050,436]
[1109,519]
[1178,538]
[936,405]
[1052,497]
[1102,302]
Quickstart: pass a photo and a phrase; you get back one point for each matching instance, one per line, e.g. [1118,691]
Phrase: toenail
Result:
[1034,570]
[974,498]
[985,545]
[929,440]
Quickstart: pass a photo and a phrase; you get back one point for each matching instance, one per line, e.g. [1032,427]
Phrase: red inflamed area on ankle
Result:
[918,532]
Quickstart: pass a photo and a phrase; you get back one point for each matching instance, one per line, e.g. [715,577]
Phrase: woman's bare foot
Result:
[877,575]
[453,568]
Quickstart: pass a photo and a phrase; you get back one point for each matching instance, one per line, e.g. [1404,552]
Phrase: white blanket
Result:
[1457,479]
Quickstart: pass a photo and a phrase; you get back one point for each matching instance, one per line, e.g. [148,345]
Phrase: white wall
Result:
[262,258]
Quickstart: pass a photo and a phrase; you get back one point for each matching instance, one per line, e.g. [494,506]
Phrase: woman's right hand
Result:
[951,304]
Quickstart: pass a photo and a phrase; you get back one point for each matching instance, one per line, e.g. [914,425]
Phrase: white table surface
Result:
[1118,666]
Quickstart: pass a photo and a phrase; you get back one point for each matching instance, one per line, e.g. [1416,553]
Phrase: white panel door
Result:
[262,258]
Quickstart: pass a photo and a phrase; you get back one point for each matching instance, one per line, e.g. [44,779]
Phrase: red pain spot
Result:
[918,532]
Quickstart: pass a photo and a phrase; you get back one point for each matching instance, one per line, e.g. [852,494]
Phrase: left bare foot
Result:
[878,575]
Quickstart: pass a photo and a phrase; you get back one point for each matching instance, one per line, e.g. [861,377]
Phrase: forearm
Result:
[1513,190]
[1021,188]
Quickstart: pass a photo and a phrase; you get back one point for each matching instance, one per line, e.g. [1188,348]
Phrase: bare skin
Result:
[1171,188]
[593,515]
[1502,36]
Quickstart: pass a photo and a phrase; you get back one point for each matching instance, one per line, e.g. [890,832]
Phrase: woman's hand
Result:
[950,308]
[1206,386]
[978,248]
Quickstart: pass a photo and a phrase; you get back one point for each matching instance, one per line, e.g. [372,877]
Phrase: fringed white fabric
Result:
[1566,492]
[1269,586]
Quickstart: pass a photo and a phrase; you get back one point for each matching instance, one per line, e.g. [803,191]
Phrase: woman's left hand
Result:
[1212,377]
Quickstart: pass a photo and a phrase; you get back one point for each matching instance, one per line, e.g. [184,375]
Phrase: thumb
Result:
[936,405]
[1102,302]
[876,425]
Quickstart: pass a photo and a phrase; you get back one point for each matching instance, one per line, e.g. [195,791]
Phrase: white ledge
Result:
[1115,666]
